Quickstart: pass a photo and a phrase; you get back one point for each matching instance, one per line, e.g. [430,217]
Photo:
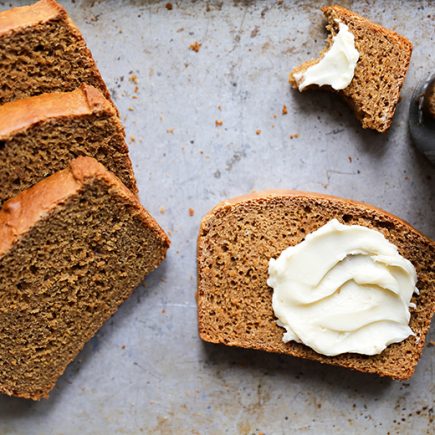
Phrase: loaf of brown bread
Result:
[43,51]
[72,249]
[379,74]
[239,237]
[39,135]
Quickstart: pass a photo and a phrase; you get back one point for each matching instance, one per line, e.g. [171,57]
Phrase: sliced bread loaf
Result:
[384,58]
[72,249]
[239,237]
[43,51]
[39,135]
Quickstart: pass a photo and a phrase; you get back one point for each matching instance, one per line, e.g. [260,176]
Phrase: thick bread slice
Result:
[43,51]
[238,237]
[39,135]
[379,74]
[72,249]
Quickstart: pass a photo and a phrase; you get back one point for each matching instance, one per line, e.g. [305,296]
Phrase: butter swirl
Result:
[337,66]
[345,288]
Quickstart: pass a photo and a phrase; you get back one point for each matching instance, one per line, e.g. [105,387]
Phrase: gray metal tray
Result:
[147,371]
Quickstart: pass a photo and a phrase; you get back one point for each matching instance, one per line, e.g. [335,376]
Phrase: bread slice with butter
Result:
[383,62]
[239,237]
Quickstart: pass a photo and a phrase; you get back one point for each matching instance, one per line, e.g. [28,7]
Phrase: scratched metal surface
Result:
[146,371]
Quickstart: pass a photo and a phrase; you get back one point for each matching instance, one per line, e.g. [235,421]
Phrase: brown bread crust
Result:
[27,21]
[40,134]
[24,113]
[27,16]
[380,72]
[72,249]
[19,214]
[239,236]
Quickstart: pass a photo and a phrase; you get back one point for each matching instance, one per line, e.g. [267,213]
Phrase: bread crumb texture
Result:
[238,238]
[68,272]
[45,143]
[380,72]
[46,55]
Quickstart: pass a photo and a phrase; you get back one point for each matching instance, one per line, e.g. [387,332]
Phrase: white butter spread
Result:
[345,288]
[337,67]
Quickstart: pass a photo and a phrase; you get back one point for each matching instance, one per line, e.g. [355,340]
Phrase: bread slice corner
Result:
[385,55]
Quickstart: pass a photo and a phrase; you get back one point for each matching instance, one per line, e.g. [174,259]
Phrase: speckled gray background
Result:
[147,371]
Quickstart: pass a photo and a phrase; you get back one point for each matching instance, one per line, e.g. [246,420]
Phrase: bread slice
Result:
[40,135]
[239,236]
[43,51]
[72,249]
[379,74]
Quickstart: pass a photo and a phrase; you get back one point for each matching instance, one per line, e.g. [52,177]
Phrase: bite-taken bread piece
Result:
[384,58]
[43,51]
[39,135]
[72,249]
[239,237]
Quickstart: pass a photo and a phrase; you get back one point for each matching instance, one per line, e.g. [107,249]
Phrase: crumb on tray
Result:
[195,46]
[133,78]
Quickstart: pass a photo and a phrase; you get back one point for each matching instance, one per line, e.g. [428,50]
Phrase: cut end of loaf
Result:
[239,236]
[374,91]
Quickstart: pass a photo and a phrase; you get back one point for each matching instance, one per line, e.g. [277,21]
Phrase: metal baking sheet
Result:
[146,371]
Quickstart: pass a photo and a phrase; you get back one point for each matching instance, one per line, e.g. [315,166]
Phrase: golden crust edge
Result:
[40,199]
